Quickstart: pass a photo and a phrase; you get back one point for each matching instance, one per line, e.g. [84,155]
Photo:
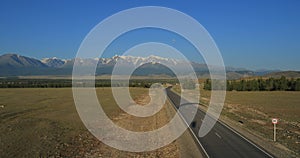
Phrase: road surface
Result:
[221,141]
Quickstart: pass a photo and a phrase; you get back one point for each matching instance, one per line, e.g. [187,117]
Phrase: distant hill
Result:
[18,61]
[13,65]
[288,74]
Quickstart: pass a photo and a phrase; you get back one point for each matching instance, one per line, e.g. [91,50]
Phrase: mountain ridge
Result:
[18,65]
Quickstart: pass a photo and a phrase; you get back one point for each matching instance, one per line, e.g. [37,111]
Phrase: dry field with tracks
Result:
[44,123]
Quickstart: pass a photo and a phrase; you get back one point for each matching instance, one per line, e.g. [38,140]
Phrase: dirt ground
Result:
[44,123]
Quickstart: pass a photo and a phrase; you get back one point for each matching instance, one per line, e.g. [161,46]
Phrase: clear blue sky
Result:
[254,34]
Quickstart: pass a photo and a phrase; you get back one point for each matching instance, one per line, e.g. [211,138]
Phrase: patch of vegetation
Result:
[270,84]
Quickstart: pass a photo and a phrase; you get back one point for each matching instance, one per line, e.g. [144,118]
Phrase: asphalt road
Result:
[221,141]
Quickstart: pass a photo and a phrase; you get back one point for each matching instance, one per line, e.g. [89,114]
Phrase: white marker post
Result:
[274,121]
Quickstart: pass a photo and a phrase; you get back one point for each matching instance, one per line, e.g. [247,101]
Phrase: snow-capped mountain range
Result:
[17,65]
[54,62]
[131,60]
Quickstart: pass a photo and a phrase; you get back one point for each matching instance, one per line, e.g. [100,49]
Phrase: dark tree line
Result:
[62,83]
[34,83]
[270,84]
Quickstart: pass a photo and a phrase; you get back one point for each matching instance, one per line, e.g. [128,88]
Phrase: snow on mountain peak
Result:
[122,59]
[53,62]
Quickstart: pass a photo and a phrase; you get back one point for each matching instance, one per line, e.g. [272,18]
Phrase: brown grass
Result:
[44,122]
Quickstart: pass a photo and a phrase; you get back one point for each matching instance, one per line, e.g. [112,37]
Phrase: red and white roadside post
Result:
[274,121]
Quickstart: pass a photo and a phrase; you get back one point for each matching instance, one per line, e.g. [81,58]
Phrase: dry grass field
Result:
[256,109]
[44,123]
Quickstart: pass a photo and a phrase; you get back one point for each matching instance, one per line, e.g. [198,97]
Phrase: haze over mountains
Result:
[17,65]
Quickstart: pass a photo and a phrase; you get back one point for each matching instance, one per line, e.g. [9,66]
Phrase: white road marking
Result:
[231,129]
[228,128]
[170,101]
[218,135]
[245,139]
